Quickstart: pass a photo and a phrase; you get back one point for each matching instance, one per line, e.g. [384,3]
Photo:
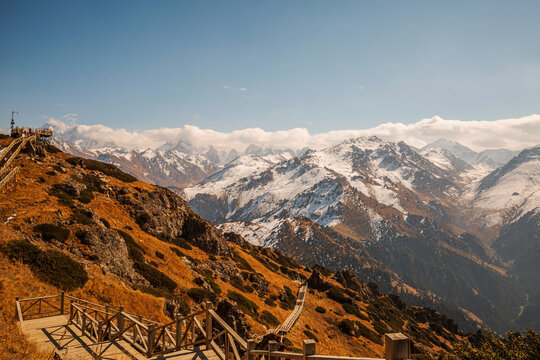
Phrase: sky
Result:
[318,66]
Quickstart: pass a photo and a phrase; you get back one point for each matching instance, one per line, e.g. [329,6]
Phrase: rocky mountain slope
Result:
[410,211]
[96,232]
[362,190]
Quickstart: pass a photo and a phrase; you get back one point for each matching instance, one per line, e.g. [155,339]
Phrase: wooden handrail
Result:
[397,346]
[226,326]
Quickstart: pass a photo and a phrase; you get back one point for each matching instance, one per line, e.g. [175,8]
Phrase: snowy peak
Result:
[511,191]
[492,158]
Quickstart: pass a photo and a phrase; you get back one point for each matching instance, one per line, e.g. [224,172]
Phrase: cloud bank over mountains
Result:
[512,134]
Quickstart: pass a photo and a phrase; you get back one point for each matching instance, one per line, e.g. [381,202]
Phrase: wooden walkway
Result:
[53,335]
[89,331]
[295,314]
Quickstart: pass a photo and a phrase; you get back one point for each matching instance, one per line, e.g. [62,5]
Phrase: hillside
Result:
[389,213]
[87,228]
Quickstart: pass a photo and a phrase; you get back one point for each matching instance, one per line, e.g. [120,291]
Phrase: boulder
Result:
[316,281]
[234,317]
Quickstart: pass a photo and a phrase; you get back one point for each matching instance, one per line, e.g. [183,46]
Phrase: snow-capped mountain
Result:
[172,169]
[409,210]
[320,185]
[491,158]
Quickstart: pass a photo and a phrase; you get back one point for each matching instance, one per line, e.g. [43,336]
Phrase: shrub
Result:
[86,196]
[356,329]
[51,266]
[105,168]
[22,250]
[199,295]
[155,277]
[52,232]
[58,168]
[83,217]
[160,255]
[270,302]
[127,227]
[354,310]
[136,251]
[177,252]
[268,264]
[287,299]
[338,295]
[380,327]
[105,222]
[310,335]
[247,306]
[181,242]
[320,309]
[61,271]
[63,198]
[269,318]
[242,263]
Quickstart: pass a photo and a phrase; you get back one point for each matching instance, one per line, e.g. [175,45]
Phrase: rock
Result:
[70,187]
[396,300]
[175,308]
[161,213]
[349,280]
[316,281]
[258,282]
[111,250]
[234,318]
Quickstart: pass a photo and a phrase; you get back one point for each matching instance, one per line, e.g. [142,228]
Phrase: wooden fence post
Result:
[272,346]
[209,325]
[121,319]
[17,307]
[62,303]
[151,339]
[71,309]
[178,333]
[83,328]
[396,346]
[310,348]
[250,347]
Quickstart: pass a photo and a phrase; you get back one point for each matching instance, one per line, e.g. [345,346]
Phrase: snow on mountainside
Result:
[511,191]
[319,184]
[171,169]
[491,158]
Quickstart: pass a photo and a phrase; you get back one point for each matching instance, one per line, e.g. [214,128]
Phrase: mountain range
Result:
[443,225]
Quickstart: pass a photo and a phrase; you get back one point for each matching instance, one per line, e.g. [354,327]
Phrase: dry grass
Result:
[31,204]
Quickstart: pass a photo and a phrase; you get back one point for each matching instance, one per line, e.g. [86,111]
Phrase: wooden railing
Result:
[10,177]
[10,146]
[203,328]
[397,347]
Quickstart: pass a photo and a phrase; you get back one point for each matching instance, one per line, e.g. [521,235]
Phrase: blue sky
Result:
[225,65]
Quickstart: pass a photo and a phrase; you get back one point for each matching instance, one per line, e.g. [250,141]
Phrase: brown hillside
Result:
[142,247]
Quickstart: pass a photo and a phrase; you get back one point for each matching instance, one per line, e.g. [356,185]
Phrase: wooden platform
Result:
[52,335]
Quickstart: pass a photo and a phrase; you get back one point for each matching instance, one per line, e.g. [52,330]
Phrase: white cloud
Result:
[513,134]
[230,88]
